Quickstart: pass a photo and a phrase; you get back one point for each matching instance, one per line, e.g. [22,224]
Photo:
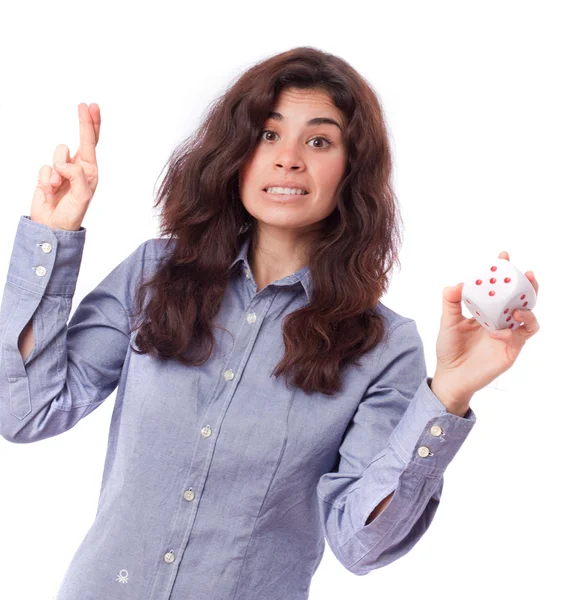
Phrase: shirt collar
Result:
[302,275]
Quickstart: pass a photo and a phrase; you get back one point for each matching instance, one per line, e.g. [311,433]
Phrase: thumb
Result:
[76,176]
[452,306]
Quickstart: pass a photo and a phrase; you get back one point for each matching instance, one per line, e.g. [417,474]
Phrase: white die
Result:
[492,295]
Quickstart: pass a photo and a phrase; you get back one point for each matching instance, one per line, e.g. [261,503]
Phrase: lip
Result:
[284,184]
[284,198]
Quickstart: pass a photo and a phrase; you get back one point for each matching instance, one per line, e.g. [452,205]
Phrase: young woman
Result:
[266,399]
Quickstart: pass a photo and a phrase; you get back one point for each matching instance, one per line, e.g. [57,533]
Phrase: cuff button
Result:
[436,430]
[423,452]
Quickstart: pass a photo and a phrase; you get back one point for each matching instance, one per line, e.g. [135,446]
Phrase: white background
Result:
[482,104]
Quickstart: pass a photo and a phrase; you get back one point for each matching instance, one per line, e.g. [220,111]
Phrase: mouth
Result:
[284,197]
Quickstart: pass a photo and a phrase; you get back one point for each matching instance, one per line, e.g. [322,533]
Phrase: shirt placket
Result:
[183,525]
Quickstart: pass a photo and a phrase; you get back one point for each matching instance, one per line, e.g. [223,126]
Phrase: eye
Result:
[318,137]
[321,137]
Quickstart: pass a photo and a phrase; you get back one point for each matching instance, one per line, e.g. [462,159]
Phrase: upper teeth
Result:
[281,190]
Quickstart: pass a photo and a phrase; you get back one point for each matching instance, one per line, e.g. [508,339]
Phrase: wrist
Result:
[455,402]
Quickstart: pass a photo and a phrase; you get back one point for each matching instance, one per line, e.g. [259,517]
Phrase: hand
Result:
[469,357]
[62,195]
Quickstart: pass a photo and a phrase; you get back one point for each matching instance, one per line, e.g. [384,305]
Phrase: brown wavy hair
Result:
[356,247]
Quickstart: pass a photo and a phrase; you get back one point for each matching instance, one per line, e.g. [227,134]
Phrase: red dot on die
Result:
[492,293]
[525,304]
[522,296]
[486,324]
[492,280]
[506,311]
[478,282]
[511,325]
[508,319]
[507,280]
[477,314]
[494,268]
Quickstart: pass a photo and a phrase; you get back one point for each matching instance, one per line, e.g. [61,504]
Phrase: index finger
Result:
[532,278]
[96,115]
[89,126]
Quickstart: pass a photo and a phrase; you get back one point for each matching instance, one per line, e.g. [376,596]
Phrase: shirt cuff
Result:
[423,443]
[419,449]
[46,260]
[428,436]
[421,446]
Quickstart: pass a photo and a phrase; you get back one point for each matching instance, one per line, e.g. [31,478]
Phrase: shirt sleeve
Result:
[71,368]
[400,439]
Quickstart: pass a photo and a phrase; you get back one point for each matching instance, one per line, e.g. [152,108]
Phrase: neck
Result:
[274,256]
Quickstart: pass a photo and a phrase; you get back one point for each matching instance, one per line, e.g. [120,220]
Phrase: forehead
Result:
[312,102]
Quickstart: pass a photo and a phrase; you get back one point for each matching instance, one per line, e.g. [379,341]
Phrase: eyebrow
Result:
[316,121]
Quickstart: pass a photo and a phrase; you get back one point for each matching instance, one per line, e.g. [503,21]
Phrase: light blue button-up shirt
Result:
[219,481]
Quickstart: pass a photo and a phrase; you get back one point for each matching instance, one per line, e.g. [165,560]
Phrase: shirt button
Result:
[169,557]
[424,452]
[46,246]
[206,431]
[247,271]
[251,318]
[189,495]
[40,271]
[228,375]
[436,430]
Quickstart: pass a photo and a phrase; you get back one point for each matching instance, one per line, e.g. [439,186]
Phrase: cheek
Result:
[329,181]
[247,170]
[330,173]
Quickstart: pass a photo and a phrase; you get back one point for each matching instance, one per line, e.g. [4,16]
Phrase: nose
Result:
[288,157]
[289,160]
[292,166]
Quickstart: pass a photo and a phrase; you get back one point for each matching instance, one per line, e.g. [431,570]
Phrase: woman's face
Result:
[293,152]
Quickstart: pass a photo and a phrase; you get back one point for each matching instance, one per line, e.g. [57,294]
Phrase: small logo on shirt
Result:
[123,576]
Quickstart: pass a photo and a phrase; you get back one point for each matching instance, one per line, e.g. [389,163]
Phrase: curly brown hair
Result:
[202,213]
